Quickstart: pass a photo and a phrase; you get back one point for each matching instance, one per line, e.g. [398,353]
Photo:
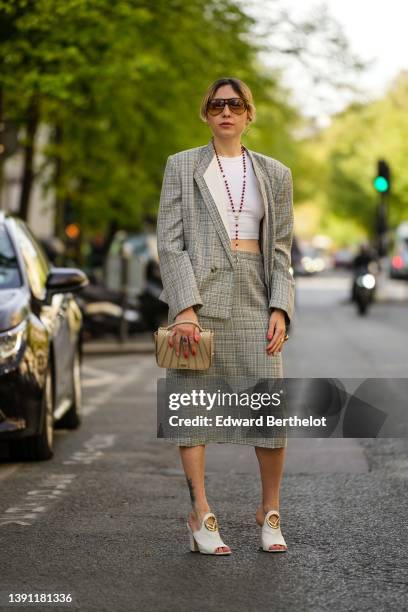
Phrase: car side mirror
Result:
[65,280]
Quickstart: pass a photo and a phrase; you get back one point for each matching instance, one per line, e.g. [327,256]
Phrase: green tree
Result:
[119,85]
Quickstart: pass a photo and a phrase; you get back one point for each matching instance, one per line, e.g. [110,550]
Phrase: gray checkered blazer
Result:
[195,254]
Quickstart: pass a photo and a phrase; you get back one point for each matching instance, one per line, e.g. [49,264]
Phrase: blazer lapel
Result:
[263,182]
[212,198]
[216,187]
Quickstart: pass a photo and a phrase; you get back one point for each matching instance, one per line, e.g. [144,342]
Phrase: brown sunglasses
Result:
[217,105]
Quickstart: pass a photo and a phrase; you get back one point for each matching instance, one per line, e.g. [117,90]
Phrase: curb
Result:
[391,295]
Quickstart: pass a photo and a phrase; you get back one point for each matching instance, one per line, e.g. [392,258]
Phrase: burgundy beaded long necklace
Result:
[236,212]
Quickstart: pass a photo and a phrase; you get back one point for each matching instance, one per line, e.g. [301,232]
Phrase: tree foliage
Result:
[346,155]
[119,84]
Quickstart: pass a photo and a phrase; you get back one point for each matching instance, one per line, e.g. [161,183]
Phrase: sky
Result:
[375,29]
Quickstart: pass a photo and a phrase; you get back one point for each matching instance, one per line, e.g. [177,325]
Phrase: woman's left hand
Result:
[276,332]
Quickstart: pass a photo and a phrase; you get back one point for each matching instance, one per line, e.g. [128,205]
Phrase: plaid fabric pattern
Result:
[240,352]
[196,260]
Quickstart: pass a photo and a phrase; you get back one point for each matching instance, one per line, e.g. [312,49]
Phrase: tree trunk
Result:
[28,152]
[59,201]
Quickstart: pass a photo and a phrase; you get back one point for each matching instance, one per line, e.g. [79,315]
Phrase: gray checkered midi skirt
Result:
[240,358]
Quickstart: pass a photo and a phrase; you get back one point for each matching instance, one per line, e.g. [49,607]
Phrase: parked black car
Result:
[40,344]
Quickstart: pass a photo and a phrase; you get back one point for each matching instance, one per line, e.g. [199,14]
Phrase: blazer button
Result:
[213,269]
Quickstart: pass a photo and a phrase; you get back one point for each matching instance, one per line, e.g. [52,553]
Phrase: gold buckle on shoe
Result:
[211,523]
[276,525]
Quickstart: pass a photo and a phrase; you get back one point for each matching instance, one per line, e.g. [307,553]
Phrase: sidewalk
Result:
[390,290]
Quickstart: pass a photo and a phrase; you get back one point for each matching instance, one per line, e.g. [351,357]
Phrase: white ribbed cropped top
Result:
[253,208]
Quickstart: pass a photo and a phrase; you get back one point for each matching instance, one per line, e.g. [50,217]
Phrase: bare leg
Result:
[271,462]
[193,460]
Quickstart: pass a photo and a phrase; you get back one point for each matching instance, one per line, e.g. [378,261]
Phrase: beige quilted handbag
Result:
[166,356]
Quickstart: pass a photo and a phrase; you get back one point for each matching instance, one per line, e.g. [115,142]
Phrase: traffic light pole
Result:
[382,226]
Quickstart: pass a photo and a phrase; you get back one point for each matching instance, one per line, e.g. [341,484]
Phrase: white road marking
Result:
[8,470]
[97,377]
[98,382]
[88,370]
[36,501]
[108,394]
[92,449]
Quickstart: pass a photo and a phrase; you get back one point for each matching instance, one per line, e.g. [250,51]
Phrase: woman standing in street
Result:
[225,228]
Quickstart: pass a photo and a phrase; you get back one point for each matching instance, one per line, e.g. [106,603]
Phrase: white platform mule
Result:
[271,533]
[207,539]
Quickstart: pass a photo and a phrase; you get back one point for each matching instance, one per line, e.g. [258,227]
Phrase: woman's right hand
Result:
[185,336]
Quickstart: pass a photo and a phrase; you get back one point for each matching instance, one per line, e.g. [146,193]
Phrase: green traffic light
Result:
[381,184]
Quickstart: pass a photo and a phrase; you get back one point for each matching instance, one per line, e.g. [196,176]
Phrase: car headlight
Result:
[11,341]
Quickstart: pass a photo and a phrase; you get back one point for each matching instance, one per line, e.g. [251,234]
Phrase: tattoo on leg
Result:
[191,489]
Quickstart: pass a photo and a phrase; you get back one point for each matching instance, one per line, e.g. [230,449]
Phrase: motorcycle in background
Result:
[364,288]
[365,272]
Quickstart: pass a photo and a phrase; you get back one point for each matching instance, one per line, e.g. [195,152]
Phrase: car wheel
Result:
[39,447]
[72,418]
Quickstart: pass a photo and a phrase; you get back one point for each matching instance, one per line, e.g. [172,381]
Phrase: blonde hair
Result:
[240,88]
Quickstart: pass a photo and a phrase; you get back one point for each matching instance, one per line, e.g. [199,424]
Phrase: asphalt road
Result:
[104,520]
